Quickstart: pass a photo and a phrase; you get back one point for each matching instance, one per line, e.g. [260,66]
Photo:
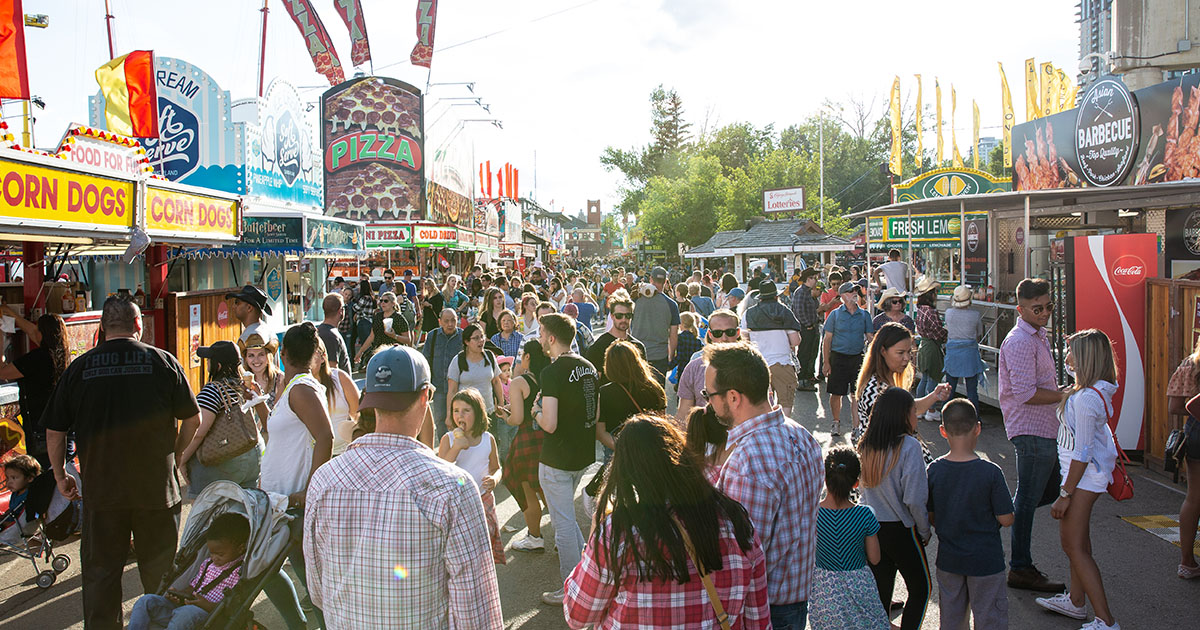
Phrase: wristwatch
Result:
[1062,492]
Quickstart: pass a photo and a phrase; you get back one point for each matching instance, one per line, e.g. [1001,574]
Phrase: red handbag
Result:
[1121,486]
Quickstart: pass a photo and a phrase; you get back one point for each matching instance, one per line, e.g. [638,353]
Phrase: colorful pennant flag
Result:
[895,164]
[938,123]
[1049,94]
[958,161]
[316,38]
[352,15]
[14,75]
[422,53]
[130,95]
[975,135]
[1033,108]
[1009,118]
[1068,91]
[920,130]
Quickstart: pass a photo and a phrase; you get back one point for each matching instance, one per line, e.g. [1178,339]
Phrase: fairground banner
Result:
[422,53]
[352,15]
[316,38]
[373,134]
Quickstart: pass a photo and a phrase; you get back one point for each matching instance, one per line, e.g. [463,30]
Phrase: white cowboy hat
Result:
[925,285]
[962,296]
[889,293]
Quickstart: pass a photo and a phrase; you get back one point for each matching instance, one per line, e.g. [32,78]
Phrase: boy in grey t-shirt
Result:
[968,504]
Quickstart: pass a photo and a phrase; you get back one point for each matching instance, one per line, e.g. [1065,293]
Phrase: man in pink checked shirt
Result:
[1029,396]
[395,537]
[774,470]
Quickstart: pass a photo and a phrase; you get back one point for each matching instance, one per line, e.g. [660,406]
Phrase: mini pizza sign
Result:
[372,132]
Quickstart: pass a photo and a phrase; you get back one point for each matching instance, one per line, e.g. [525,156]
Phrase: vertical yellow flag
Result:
[975,134]
[1064,88]
[1069,91]
[1047,89]
[1009,118]
[920,129]
[958,162]
[938,123]
[895,162]
[1033,107]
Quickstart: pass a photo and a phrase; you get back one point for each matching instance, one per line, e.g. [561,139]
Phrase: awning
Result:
[291,233]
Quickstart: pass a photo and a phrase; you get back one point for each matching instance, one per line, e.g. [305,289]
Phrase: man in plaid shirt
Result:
[774,470]
[804,307]
[395,537]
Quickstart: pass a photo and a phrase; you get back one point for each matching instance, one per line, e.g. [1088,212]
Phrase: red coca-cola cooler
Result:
[1106,281]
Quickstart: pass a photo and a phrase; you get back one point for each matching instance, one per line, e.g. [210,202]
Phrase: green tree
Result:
[610,232]
[662,157]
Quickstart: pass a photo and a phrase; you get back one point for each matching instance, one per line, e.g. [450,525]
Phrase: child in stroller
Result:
[36,516]
[190,607]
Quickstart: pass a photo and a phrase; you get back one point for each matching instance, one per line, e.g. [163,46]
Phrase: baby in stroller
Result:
[190,607]
[35,517]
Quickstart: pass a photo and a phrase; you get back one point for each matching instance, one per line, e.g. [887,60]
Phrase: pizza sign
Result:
[372,134]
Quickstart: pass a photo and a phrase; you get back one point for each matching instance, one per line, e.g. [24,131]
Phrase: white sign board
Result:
[783,200]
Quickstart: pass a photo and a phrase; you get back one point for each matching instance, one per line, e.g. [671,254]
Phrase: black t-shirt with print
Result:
[122,399]
[572,380]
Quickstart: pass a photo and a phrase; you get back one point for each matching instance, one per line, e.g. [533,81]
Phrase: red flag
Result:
[500,183]
[352,15]
[516,192]
[320,47]
[130,94]
[14,77]
[422,53]
[481,180]
[489,179]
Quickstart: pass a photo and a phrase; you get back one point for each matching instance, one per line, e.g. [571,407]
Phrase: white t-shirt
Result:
[896,274]
[477,459]
[260,328]
[774,346]
[478,375]
[287,459]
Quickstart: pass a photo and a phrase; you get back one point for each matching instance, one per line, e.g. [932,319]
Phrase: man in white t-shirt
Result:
[776,331]
[894,271]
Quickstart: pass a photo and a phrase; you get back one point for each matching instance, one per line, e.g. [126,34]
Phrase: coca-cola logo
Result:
[1128,270]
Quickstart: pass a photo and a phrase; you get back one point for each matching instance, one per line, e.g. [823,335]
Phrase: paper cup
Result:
[8,324]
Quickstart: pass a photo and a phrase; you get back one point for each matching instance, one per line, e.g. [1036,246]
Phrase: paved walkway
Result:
[1138,566]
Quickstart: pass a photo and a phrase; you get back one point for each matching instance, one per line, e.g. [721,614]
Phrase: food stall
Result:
[780,243]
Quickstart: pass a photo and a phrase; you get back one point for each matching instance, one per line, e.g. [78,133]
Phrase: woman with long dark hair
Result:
[489,311]
[930,355]
[889,364]
[661,531]
[432,303]
[36,373]
[631,390]
[476,366]
[521,467]
[364,307]
[224,390]
[707,437]
[895,486]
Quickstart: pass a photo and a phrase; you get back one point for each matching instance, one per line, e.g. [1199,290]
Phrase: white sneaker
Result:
[933,416]
[1098,624]
[554,598]
[529,543]
[1062,605]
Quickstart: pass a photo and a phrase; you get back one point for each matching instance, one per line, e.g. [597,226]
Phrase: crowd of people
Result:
[727,513]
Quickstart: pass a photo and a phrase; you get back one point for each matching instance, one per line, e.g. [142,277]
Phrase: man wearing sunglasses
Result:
[1029,397]
[722,328]
[622,319]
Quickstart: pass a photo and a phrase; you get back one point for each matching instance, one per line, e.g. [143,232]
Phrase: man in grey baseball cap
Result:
[657,324]
[389,482]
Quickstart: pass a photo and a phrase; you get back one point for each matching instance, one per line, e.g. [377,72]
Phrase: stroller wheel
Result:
[60,563]
[46,579]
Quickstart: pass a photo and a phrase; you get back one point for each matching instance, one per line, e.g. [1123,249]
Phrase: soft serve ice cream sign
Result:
[280,163]
[198,143]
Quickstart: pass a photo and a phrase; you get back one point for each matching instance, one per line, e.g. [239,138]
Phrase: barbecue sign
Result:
[1106,133]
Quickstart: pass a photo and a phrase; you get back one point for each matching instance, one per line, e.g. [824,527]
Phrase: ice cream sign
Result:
[281,163]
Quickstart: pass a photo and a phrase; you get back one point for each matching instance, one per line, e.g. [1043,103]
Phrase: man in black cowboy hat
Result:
[774,329]
[247,306]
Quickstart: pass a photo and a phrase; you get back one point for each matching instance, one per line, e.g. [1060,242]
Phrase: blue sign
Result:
[274,284]
[280,161]
[198,143]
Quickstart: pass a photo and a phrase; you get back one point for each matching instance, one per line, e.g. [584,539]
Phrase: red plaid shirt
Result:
[929,324]
[741,584]
[775,471]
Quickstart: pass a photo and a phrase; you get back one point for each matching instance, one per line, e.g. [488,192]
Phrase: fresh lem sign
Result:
[198,143]
[1107,132]
[783,200]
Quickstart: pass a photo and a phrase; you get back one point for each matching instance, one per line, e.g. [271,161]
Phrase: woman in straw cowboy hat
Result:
[965,328]
[933,338]
[891,309]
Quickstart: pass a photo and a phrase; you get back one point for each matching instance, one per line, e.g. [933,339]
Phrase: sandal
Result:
[1189,573]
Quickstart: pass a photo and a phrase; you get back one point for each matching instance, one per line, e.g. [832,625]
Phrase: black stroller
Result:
[48,517]
[271,537]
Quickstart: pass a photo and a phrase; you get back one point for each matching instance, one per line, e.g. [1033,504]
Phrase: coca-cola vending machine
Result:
[1106,281]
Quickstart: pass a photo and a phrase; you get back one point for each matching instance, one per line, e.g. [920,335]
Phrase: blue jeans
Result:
[972,392]
[559,488]
[925,387]
[504,434]
[282,592]
[156,611]
[1038,478]
[789,616]
[438,407]
[362,330]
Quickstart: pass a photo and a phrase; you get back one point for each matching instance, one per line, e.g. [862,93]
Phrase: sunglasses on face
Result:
[710,395]
[622,315]
[723,332]
[1039,309]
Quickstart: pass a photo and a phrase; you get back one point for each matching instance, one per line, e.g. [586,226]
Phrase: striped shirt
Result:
[841,537]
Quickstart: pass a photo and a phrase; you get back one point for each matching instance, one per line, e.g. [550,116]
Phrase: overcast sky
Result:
[568,85]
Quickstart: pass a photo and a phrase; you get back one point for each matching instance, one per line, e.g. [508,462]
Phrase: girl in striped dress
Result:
[844,594]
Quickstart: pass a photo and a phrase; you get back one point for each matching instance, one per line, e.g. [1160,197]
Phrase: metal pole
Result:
[1026,239]
[962,242]
[909,263]
[108,18]
[821,153]
[262,49]
[26,135]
